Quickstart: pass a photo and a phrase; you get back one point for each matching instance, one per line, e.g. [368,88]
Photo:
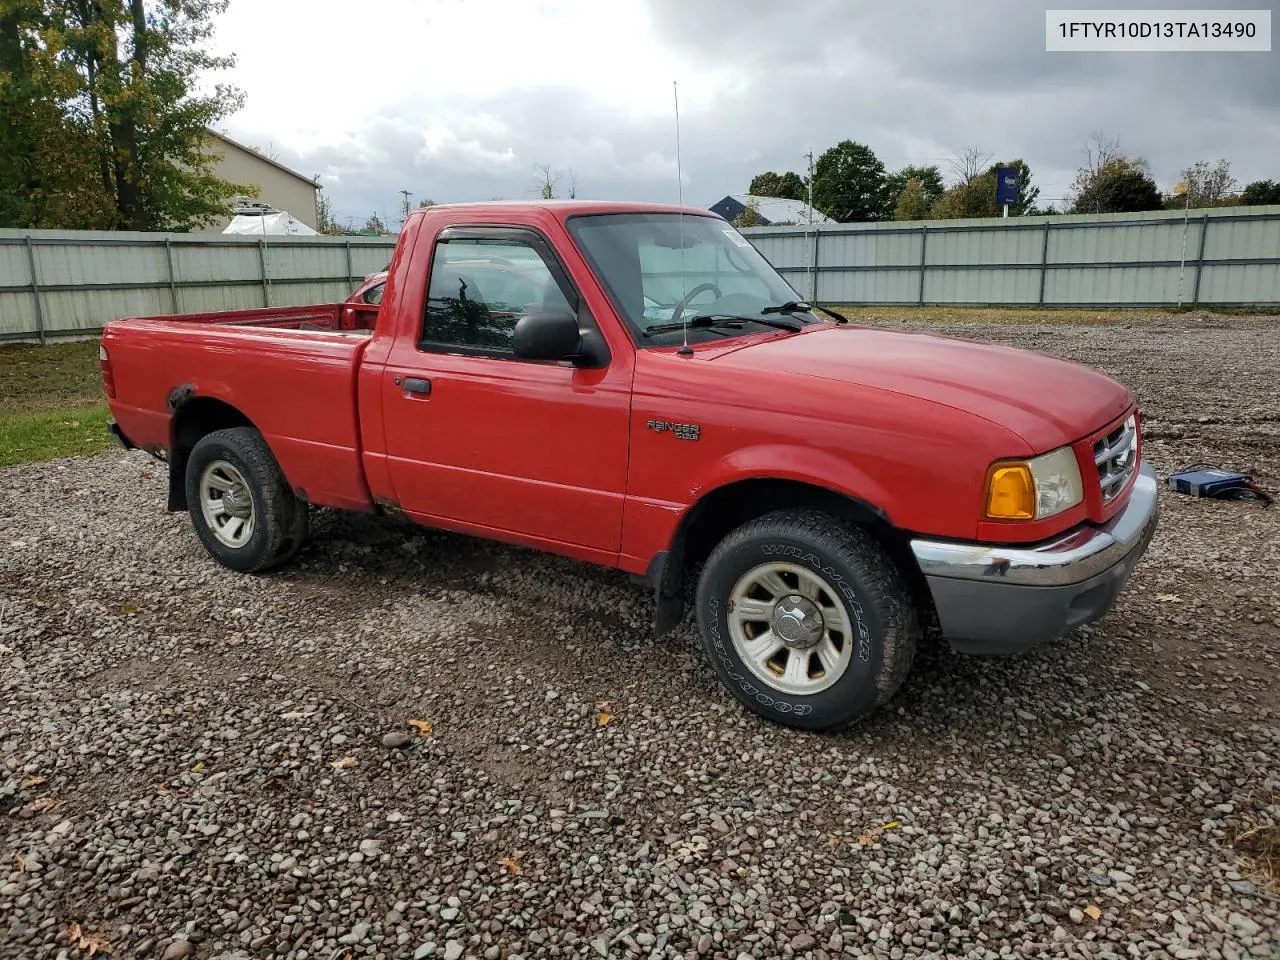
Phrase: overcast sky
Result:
[459,99]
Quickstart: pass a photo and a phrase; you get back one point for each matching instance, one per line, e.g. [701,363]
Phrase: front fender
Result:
[801,464]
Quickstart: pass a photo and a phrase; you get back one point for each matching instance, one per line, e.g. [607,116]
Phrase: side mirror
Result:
[547,336]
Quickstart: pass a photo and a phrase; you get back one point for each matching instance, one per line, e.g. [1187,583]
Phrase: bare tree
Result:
[573,183]
[1102,153]
[547,180]
[1100,150]
[972,162]
[1209,186]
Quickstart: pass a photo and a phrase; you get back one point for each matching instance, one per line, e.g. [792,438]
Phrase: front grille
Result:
[1116,456]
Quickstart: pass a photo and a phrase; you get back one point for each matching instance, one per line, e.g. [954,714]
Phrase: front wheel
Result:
[242,508]
[806,619]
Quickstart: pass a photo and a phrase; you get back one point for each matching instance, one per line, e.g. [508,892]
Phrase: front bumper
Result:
[993,600]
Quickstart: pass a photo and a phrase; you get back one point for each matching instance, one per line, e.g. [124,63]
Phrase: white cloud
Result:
[459,99]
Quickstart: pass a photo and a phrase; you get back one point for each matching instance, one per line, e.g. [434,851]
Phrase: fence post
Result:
[262,262]
[1044,260]
[924,245]
[173,287]
[1204,232]
[35,289]
[813,282]
[350,271]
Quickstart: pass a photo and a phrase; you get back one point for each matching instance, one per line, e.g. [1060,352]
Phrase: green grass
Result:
[45,434]
[51,402]
[35,377]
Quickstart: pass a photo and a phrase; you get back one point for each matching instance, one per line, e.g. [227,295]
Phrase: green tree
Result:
[1028,193]
[749,217]
[930,186]
[137,67]
[975,197]
[47,176]
[427,202]
[1260,193]
[913,202]
[850,184]
[374,224]
[789,185]
[1120,185]
[324,216]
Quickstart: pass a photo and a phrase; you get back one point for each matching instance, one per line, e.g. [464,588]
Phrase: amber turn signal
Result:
[1011,492]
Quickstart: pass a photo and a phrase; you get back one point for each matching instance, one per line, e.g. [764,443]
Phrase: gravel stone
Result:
[174,737]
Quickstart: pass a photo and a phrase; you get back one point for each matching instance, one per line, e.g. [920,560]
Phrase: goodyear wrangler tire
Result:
[242,507]
[806,619]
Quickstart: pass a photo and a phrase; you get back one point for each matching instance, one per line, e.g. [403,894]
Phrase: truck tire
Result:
[242,507]
[806,619]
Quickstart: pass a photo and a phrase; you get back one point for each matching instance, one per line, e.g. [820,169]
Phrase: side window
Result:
[374,294]
[480,288]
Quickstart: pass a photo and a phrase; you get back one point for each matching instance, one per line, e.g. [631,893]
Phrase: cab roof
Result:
[567,208]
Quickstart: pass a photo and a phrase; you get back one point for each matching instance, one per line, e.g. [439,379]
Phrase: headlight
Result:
[1034,489]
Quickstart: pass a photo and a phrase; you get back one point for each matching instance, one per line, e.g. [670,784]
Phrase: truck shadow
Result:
[607,617]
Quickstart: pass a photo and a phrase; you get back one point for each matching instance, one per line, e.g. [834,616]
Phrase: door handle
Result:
[418,385]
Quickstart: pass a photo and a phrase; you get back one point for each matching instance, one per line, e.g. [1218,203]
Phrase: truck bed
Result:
[332,317]
[291,371]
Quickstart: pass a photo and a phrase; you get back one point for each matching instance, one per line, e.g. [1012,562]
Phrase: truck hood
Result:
[1046,401]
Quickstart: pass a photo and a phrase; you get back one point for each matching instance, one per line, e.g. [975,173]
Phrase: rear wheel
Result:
[806,619]
[242,508]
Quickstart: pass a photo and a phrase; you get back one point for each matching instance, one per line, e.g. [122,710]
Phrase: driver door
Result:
[481,439]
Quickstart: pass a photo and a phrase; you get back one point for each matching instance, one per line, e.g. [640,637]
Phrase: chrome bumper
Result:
[1077,556]
[993,599]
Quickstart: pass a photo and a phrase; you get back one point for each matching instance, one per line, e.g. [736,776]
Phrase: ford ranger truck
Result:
[633,385]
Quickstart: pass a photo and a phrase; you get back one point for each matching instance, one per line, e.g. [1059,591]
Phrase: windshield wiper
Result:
[740,318]
[791,306]
[799,306]
[703,322]
[712,320]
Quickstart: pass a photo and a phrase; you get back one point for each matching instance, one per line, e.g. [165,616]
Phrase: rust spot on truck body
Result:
[178,396]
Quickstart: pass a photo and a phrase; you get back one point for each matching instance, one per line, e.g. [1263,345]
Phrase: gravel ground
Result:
[194,763]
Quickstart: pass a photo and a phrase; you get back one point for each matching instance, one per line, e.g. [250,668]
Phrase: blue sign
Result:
[1007,185]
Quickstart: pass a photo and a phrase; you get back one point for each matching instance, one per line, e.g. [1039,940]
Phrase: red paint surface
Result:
[560,458]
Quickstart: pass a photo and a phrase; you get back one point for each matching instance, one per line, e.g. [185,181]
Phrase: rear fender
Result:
[192,416]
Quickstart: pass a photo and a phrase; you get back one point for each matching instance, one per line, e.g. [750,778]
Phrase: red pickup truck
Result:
[634,385]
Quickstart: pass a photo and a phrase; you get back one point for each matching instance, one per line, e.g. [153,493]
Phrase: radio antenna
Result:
[684,350]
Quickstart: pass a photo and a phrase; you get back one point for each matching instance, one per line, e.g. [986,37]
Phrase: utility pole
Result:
[404,207]
[813,267]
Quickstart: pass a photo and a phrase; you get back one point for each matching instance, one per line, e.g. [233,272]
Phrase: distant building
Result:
[774,211]
[284,189]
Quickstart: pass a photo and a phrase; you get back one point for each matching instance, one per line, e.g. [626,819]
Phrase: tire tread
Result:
[283,517]
[883,582]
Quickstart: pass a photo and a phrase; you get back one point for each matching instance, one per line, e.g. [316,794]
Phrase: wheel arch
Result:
[726,507]
[194,417]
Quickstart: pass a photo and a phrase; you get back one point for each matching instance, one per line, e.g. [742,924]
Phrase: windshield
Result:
[653,280]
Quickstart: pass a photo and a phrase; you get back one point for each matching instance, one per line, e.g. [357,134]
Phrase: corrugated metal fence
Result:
[59,283]
[1224,256]
[67,283]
